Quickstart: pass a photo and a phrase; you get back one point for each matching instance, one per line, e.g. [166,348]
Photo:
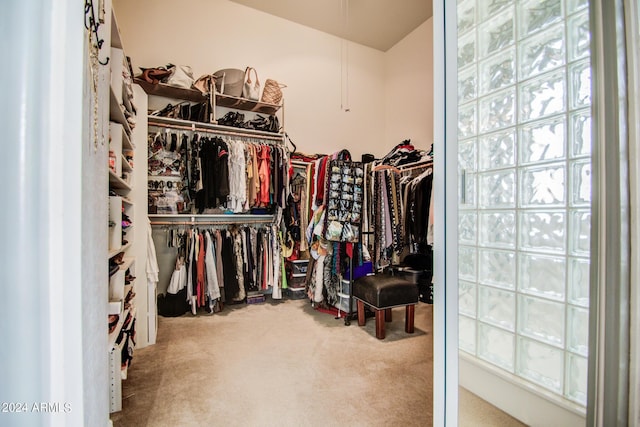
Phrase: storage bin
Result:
[297,280]
[343,303]
[413,276]
[296,293]
[345,286]
[299,266]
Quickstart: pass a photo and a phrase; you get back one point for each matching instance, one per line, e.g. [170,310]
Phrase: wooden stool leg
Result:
[387,315]
[361,317]
[409,317]
[380,324]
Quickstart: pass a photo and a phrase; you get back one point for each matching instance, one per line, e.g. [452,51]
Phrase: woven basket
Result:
[272,92]
[229,81]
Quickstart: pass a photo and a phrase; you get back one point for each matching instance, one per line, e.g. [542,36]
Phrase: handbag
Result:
[251,89]
[155,75]
[272,93]
[203,83]
[182,76]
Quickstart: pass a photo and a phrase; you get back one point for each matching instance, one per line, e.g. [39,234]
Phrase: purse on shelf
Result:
[272,93]
[204,83]
[182,76]
[155,75]
[251,88]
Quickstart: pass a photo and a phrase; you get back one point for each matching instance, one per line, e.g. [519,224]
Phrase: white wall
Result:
[210,35]
[409,89]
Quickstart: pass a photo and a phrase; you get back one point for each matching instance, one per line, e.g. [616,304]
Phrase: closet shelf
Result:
[126,166]
[126,201]
[116,112]
[113,336]
[169,91]
[245,104]
[114,252]
[116,182]
[186,124]
[127,263]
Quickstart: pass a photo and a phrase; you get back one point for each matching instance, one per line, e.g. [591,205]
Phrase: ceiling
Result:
[379,24]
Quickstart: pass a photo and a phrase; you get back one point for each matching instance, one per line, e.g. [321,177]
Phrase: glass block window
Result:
[524,159]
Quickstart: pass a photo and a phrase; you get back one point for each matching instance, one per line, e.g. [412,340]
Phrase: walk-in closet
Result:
[337,212]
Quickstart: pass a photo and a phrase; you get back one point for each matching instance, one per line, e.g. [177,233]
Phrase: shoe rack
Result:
[124,235]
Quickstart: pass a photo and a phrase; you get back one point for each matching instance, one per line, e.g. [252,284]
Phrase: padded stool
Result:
[383,292]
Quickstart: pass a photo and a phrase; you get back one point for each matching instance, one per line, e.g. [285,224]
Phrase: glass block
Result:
[497,150]
[580,84]
[580,132]
[497,306]
[542,275]
[497,229]
[543,231]
[467,121]
[581,183]
[580,232]
[466,50]
[467,84]
[497,111]
[467,334]
[541,364]
[496,33]
[467,227]
[576,379]
[579,36]
[498,189]
[466,16]
[541,319]
[542,186]
[578,284]
[543,140]
[467,261]
[542,52]
[467,298]
[538,14]
[487,9]
[578,330]
[575,5]
[497,268]
[542,96]
[468,187]
[496,346]
[467,155]
[498,71]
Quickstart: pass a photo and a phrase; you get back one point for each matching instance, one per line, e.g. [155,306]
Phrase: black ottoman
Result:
[383,292]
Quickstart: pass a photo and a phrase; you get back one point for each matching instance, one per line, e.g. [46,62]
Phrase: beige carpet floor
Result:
[283,364]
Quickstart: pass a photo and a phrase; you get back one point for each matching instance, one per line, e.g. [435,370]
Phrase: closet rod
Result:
[214,131]
[249,222]
[417,166]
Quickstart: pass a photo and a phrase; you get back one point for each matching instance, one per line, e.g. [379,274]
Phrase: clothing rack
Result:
[214,219]
[414,166]
[209,128]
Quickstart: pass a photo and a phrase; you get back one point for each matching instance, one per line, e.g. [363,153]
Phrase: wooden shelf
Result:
[186,124]
[169,91]
[245,104]
[114,252]
[116,182]
[195,95]
[116,113]
[113,336]
[126,166]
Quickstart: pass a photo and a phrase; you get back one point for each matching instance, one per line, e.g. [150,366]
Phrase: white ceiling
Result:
[379,24]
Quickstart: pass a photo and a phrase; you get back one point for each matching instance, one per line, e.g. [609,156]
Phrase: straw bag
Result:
[272,93]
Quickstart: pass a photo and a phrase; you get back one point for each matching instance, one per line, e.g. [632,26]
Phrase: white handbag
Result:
[251,88]
[182,76]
